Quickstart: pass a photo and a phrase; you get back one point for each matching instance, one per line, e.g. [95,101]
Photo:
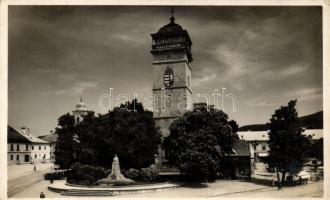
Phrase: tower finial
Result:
[172,12]
[80,99]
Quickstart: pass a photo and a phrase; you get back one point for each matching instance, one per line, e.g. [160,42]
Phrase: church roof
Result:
[171,27]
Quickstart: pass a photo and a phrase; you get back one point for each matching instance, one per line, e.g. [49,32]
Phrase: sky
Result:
[263,56]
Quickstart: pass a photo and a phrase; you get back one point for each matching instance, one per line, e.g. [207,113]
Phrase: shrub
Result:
[149,174]
[85,174]
[60,175]
[133,174]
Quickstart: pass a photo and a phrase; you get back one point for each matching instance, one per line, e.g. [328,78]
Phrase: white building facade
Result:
[23,147]
[258,141]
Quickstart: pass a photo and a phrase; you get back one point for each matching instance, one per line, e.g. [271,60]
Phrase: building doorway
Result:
[26,158]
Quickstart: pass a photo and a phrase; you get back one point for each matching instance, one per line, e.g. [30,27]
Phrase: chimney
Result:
[23,130]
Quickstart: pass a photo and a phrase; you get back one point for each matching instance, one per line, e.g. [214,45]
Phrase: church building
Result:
[80,111]
[172,57]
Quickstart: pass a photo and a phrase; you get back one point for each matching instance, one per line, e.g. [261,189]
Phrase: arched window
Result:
[168,77]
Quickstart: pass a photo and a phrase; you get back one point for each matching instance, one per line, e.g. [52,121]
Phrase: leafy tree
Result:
[65,143]
[317,149]
[234,127]
[128,131]
[288,147]
[197,140]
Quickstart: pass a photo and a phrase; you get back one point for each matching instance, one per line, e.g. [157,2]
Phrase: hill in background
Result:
[313,121]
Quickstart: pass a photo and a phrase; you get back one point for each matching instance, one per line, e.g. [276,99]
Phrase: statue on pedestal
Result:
[116,177]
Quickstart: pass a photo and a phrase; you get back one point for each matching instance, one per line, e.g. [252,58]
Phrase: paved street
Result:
[16,171]
[21,177]
[311,190]
[224,188]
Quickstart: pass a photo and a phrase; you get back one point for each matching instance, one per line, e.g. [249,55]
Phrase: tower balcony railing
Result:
[170,45]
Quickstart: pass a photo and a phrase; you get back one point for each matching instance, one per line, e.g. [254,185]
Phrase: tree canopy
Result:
[197,140]
[127,131]
[64,149]
[288,147]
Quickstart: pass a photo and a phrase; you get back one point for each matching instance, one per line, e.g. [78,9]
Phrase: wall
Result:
[40,152]
[19,154]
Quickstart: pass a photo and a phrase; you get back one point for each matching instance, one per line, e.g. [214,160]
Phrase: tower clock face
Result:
[168,77]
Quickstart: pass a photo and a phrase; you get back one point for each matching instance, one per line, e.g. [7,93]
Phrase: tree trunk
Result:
[283,177]
[278,178]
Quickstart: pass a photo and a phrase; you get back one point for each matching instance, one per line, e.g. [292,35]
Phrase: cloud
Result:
[293,70]
[304,94]
[76,88]
[207,75]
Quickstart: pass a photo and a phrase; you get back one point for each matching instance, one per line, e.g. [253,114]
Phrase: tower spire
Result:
[172,17]
[81,99]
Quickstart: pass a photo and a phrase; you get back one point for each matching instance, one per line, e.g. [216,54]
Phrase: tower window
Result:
[11,147]
[188,80]
[26,147]
[17,147]
[168,77]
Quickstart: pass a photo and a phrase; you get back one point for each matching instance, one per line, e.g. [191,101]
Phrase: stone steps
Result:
[86,193]
[71,190]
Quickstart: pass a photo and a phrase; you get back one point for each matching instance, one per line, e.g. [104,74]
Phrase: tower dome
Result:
[80,111]
[81,105]
[171,27]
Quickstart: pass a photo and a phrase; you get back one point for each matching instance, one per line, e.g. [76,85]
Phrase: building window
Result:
[44,147]
[50,145]
[39,147]
[26,147]
[188,80]
[17,157]
[32,147]
[263,147]
[11,157]
[17,147]
[35,156]
[11,147]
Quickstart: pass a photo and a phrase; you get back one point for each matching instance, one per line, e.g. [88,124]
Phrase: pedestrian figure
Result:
[51,178]
[34,167]
[42,195]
